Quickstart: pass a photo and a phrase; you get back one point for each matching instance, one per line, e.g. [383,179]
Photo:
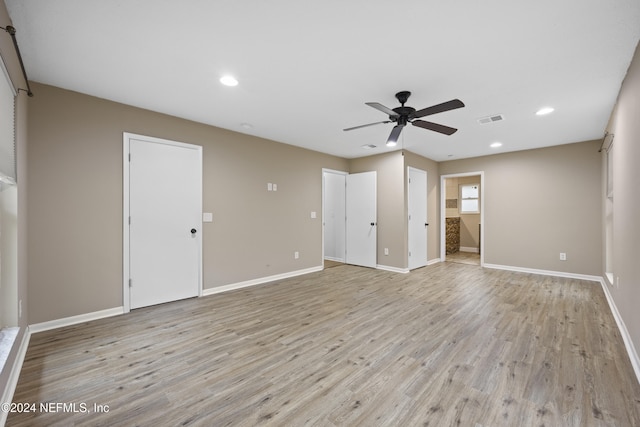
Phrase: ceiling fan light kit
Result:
[403,115]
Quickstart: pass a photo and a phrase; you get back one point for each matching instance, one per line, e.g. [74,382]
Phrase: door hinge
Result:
[130,283]
[129,220]
[129,156]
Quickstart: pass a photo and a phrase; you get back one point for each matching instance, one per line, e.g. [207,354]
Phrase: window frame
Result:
[462,199]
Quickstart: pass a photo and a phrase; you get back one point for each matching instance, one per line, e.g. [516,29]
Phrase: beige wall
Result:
[75,175]
[13,66]
[539,203]
[625,126]
[451,193]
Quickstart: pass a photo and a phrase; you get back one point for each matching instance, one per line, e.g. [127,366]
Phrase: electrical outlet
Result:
[296,255]
[386,251]
[563,256]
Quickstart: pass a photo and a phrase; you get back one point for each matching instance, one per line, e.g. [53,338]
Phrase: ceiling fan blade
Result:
[434,127]
[364,126]
[395,133]
[382,108]
[445,106]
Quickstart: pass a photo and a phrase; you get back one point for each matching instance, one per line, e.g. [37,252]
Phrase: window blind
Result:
[7,129]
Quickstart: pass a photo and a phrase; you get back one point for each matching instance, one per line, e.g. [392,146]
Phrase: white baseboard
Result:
[628,343]
[259,281]
[330,258]
[10,387]
[469,249]
[74,320]
[404,270]
[545,272]
[392,269]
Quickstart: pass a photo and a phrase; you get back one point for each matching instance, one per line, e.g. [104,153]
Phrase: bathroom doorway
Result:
[462,202]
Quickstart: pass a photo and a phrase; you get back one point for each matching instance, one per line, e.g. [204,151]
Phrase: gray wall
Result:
[625,126]
[75,219]
[539,203]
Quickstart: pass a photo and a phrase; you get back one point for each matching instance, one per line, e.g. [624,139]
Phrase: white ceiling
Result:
[307,68]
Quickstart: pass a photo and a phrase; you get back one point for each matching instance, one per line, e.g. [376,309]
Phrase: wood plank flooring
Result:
[449,344]
[464,258]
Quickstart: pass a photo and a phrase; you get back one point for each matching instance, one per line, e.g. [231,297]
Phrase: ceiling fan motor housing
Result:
[403,96]
[404,113]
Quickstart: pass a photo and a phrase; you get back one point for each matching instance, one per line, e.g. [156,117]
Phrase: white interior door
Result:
[165,225]
[361,211]
[334,215]
[417,203]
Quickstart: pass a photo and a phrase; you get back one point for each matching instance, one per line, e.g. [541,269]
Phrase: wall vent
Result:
[491,119]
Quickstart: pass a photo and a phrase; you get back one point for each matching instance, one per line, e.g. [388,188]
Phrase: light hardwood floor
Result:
[464,258]
[448,344]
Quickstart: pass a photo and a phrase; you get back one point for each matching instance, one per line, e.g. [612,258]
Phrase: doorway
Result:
[462,219]
[162,221]
[349,218]
[334,184]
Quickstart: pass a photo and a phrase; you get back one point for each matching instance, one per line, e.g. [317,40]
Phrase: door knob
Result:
[373,223]
[426,224]
[193,231]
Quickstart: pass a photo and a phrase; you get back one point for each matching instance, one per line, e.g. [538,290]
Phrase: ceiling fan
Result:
[403,115]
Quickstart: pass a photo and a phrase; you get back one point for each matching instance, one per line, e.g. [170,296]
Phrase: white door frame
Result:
[426,218]
[126,266]
[337,172]
[443,213]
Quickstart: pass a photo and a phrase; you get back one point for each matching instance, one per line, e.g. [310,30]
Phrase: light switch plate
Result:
[207,217]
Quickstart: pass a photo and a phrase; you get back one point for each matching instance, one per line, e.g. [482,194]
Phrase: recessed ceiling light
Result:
[496,145]
[368,146]
[543,111]
[228,80]
[246,125]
